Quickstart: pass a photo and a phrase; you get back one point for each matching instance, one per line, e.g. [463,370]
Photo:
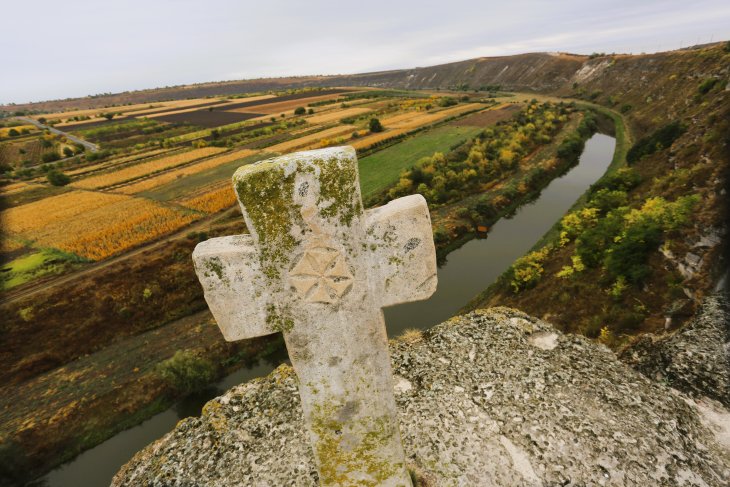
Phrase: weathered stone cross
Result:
[319,269]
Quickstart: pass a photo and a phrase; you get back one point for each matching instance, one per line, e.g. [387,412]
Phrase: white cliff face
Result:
[492,398]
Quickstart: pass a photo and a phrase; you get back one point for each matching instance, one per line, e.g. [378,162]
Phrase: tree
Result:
[13,133]
[50,156]
[108,116]
[42,119]
[310,111]
[57,178]
[375,125]
[67,152]
[300,111]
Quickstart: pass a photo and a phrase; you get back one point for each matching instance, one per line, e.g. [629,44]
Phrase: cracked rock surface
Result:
[695,359]
[493,398]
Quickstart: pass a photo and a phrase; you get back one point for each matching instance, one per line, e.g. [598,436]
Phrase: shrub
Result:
[300,111]
[527,270]
[661,139]
[440,235]
[624,179]
[57,178]
[608,199]
[13,133]
[50,157]
[625,108]
[310,111]
[628,257]
[707,85]
[186,371]
[68,152]
[375,125]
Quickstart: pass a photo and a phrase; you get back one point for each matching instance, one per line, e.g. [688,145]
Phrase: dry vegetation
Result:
[210,199]
[91,224]
[139,170]
[169,176]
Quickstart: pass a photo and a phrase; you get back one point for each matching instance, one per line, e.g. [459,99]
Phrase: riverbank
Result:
[395,325]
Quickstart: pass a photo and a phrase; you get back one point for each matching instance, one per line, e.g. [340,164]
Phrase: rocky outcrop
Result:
[495,397]
[695,359]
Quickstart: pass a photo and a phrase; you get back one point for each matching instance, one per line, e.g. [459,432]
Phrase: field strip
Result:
[92,224]
[169,176]
[124,109]
[221,107]
[290,145]
[283,106]
[369,140]
[139,170]
[419,119]
[116,162]
[212,198]
[336,115]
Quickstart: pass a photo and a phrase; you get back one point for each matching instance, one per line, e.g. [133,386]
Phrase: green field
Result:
[31,266]
[383,168]
[175,189]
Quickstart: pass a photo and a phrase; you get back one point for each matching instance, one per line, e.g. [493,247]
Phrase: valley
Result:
[100,301]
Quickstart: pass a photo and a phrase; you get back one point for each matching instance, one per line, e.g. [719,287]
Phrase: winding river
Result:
[466,272]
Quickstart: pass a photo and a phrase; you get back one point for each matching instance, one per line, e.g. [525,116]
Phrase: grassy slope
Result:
[383,168]
[653,90]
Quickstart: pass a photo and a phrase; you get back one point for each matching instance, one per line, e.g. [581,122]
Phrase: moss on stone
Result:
[338,192]
[267,194]
[337,462]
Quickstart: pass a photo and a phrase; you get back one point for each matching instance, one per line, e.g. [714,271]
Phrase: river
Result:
[466,272]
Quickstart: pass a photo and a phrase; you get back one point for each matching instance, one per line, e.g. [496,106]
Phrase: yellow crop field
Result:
[169,176]
[117,161]
[369,140]
[139,170]
[333,116]
[91,224]
[412,120]
[312,139]
[210,199]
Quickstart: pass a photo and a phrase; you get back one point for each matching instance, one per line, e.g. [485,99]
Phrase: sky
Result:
[57,49]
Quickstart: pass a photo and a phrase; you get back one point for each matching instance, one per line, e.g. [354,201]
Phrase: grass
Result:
[178,188]
[30,266]
[382,169]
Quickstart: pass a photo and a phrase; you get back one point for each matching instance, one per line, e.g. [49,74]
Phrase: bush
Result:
[300,111]
[661,139]
[186,371]
[57,178]
[13,133]
[527,270]
[628,257]
[447,101]
[68,152]
[626,108]
[310,111]
[624,179]
[375,125]
[50,157]
[707,85]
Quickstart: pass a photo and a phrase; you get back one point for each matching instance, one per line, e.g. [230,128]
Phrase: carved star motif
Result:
[321,275]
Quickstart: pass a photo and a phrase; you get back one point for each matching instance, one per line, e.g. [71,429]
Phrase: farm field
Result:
[143,169]
[383,168]
[92,225]
[163,166]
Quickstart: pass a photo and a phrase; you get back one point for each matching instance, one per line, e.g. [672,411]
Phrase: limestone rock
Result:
[695,359]
[492,398]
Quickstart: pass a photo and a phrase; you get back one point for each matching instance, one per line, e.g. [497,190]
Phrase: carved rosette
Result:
[321,275]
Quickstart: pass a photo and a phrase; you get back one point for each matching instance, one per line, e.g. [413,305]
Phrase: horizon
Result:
[165,50]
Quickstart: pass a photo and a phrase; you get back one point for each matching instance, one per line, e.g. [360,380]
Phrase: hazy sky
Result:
[57,49]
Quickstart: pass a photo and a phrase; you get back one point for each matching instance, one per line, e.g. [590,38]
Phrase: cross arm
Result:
[400,235]
[228,269]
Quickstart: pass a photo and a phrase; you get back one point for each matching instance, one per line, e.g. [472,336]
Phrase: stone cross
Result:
[319,268]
